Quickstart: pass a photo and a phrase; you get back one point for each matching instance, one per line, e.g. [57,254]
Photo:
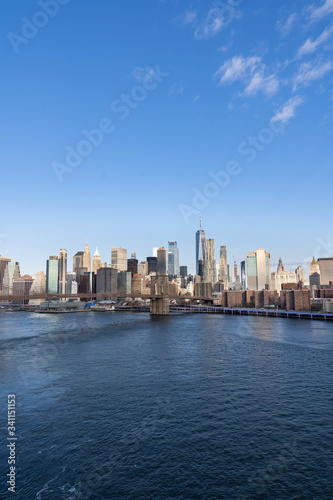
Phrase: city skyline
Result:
[206,125]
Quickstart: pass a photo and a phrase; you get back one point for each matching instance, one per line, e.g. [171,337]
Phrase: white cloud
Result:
[286,25]
[322,11]
[252,72]
[308,72]
[189,16]
[288,110]
[237,67]
[311,46]
[216,20]
[268,84]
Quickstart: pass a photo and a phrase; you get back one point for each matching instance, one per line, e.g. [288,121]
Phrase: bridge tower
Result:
[159,286]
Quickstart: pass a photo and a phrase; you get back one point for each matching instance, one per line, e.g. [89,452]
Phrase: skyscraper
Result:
[52,275]
[209,262]
[143,268]
[12,272]
[200,238]
[161,261]
[62,271]
[174,265]
[96,261]
[152,264]
[3,265]
[258,265]
[119,258]
[77,261]
[132,265]
[314,274]
[243,275]
[171,265]
[326,270]
[87,258]
[223,267]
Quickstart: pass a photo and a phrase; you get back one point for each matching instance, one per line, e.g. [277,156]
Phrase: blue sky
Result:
[204,86]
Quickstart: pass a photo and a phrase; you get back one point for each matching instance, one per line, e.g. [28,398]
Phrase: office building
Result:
[62,258]
[132,266]
[52,275]
[183,271]
[106,281]
[3,264]
[300,275]
[143,269]
[124,282]
[119,259]
[243,274]
[258,265]
[71,278]
[209,262]
[173,270]
[161,261]
[12,272]
[326,270]
[200,238]
[77,261]
[314,274]
[223,267]
[152,264]
[87,258]
[97,264]
[39,283]
[282,277]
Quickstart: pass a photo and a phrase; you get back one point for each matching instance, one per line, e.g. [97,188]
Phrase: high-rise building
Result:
[132,266]
[3,265]
[300,274]
[243,275]
[314,274]
[143,269]
[258,265]
[38,287]
[209,262]
[235,269]
[161,261]
[106,281]
[174,269]
[71,279]
[124,282]
[183,271]
[200,238]
[223,267]
[62,271]
[171,265]
[77,261]
[87,258]
[39,283]
[96,261]
[12,272]
[230,280]
[281,277]
[152,264]
[326,270]
[119,259]
[52,275]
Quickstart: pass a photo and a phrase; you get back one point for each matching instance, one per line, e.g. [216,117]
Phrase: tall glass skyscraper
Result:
[173,263]
[243,274]
[223,267]
[200,238]
[52,275]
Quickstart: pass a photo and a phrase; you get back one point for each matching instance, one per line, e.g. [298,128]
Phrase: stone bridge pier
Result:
[159,286]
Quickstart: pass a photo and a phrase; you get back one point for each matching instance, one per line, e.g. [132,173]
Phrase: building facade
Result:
[209,262]
[258,265]
[119,259]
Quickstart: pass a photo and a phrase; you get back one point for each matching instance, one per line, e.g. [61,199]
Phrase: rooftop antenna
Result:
[200,222]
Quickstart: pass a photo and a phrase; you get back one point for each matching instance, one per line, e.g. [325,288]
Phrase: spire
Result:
[96,254]
[314,262]
[200,222]
[280,268]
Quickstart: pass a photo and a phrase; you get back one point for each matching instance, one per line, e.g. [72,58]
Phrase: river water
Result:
[124,406]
